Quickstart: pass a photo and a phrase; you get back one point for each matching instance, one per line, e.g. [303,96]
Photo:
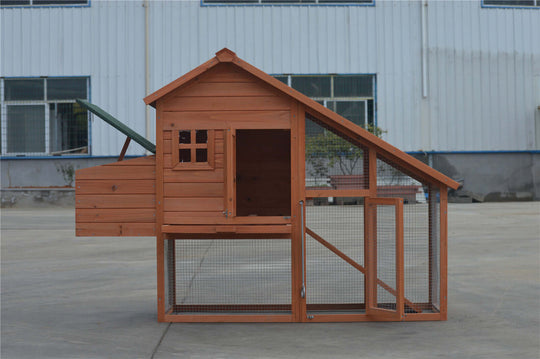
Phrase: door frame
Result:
[372,281]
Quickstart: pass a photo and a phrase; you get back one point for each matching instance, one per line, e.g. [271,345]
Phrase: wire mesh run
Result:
[386,255]
[229,276]
[333,161]
[332,283]
[421,220]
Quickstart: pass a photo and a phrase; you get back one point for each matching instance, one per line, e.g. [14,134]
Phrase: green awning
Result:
[107,117]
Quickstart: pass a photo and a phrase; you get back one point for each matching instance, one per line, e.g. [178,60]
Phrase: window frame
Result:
[4,154]
[176,146]
[507,6]
[32,6]
[316,3]
[325,100]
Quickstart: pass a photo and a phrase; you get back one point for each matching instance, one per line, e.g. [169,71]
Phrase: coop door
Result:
[262,173]
[384,258]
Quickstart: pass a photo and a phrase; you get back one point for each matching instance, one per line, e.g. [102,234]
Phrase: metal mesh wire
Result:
[333,161]
[386,255]
[330,279]
[231,275]
[421,231]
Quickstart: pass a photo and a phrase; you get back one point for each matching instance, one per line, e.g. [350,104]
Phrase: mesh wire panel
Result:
[421,231]
[329,278]
[434,246]
[386,255]
[333,161]
[231,275]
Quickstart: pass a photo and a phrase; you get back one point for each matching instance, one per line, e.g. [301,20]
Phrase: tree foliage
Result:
[327,150]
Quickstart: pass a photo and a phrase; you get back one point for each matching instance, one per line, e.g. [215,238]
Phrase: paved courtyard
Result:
[69,297]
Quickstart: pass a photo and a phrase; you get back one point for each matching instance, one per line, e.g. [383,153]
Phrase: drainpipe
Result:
[424,49]
[147,69]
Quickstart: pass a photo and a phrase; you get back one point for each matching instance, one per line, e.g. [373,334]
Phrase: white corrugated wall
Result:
[481,66]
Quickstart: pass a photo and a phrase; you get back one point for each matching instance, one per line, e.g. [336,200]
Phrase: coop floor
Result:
[65,297]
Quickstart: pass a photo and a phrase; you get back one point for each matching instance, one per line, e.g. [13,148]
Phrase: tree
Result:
[327,150]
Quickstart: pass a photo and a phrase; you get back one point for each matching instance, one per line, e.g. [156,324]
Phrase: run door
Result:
[384,258]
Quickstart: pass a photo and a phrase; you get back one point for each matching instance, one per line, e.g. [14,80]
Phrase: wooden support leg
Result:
[124,149]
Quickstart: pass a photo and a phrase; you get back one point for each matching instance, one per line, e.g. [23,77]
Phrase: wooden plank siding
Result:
[116,199]
[222,98]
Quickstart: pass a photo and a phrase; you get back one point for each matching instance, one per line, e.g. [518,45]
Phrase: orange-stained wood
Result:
[193,204]
[225,119]
[297,260]
[227,73]
[337,193]
[136,172]
[116,201]
[193,176]
[115,186]
[228,89]
[115,229]
[444,252]
[178,189]
[137,161]
[219,218]
[227,104]
[320,112]
[243,229]
[127,215]
[372,307]
[361,269]
[160,248]
[124,149]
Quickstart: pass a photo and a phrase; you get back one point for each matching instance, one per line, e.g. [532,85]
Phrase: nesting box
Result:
[254,216]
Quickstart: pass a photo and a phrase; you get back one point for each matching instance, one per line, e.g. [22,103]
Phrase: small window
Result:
[193,149]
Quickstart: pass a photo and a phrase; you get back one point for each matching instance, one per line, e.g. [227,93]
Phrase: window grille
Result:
[39,116]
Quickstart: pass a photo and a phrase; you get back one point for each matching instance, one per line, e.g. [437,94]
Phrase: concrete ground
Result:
[68,297]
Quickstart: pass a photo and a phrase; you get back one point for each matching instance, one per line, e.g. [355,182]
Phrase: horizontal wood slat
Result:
[227,89]
[244,229]
[337,193]
[127,215]
[115,186]
[139,161]
[226,103]
[220,119]
[193,204]
[115,201]
[183,217]
[193,190]
[218,218]
[227,73]
[115,229]
[116,172]
[193,176]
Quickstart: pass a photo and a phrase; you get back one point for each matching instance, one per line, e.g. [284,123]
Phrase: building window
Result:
[512,3]
[193,149]
[351,96]
[288,2]
[39,116]
[43,2]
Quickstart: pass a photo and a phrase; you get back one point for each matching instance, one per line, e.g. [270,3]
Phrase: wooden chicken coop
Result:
[253,220]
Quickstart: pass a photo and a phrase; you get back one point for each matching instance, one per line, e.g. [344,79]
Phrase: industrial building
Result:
[454,83]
